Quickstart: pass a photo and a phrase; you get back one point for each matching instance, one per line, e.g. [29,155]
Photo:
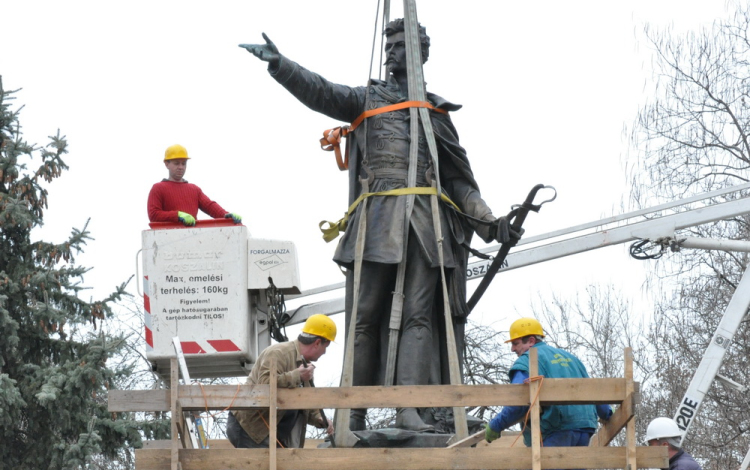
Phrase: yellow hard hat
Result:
[174,152]
[320,325]
[525,327]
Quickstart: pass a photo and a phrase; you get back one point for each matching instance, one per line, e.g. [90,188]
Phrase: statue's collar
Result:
[391,91]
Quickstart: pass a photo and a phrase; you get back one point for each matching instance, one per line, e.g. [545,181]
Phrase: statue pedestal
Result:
[392,437]
[401,438]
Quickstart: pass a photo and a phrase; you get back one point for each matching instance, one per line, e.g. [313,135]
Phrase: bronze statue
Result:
[379,157]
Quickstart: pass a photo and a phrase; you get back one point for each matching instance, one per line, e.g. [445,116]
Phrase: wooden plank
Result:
[157,444]
[191,396]
[469,441]
[479,458]
[512,438]
[167,444]
[175,414]
[605,391]
[630,442]
[620,418]
[216,444]
[536,433]
[182,431]
[554,391]
[138,400]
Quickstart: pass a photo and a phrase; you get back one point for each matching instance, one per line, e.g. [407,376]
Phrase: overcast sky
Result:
[547,88]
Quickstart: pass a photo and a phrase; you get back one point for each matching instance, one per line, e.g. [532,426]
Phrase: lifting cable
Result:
[374,39]
[277,316]
[646,249]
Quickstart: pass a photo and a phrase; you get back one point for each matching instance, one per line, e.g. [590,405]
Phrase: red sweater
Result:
[168,197]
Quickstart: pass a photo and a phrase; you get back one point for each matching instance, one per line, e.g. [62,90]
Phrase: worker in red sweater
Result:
[174,199]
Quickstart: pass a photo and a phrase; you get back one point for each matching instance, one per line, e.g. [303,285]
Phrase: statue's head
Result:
[397,26]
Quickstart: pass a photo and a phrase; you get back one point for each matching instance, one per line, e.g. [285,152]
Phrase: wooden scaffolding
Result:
[178,454]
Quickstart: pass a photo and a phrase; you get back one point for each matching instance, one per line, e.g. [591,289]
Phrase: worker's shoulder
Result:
[268,355]
[560,353]
[280,348]
[165,183]
[549,348]
[685,461]
[522,363]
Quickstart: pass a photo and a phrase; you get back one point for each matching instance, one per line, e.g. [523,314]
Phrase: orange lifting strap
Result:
[331,140]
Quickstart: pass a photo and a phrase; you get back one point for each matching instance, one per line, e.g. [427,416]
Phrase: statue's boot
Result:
[365,357]
[357,419]
[409,419]
[414,347]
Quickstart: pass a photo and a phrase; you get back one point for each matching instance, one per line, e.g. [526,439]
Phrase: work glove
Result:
[503,232]
[235,217]
[489,434]
[186,218]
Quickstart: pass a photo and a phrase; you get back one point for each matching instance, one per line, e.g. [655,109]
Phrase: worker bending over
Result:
[250,428]
[664,432]
[561,425]
[173,199]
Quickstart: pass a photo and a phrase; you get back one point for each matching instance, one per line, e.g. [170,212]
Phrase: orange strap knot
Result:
[331,140]
[536,378]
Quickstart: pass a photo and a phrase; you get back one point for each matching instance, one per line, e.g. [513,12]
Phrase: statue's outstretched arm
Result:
[267,52]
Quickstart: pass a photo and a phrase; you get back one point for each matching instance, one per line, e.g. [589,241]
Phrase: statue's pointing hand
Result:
[267,52]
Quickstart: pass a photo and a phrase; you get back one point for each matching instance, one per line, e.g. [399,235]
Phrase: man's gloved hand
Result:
[489,434]
[502,231]
[235,217]
[186,218]
[306,372]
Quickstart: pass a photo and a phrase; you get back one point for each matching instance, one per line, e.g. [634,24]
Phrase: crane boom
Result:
[713,357]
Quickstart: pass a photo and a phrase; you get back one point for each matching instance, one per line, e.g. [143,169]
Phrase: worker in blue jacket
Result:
[561,425]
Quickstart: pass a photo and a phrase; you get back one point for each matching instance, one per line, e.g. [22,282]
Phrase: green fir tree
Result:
[54,375]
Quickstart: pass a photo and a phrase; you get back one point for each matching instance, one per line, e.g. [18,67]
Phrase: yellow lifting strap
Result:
[334,228]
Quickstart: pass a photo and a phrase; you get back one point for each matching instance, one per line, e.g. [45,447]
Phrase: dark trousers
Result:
[290,431]
[418,329]
[567,439]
